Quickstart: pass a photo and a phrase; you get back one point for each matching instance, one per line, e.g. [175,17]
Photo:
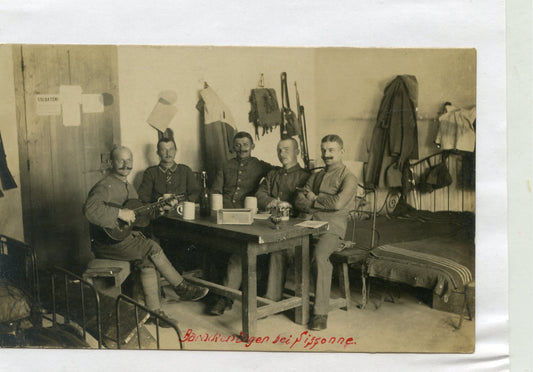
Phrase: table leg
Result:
[302,280]
[249,290]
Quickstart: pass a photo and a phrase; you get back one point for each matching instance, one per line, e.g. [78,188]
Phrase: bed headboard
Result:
[18,265]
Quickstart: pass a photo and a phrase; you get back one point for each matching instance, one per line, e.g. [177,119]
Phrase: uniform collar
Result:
[335,167]
[119,177]
[172,169]
[292,169]
[244,161]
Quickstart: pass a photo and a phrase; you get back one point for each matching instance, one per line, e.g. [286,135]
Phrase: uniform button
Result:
[238,180]
[238,188]
[242,164]
[240,171]
[233,201]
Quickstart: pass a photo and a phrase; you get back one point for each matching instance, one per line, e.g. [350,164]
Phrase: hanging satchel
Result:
[264,112]
[435,177]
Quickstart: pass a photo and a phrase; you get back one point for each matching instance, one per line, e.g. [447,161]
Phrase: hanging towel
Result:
[456,129]
[219,130]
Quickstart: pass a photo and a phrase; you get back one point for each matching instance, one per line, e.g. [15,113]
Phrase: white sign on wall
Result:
[48,104]
[67,103]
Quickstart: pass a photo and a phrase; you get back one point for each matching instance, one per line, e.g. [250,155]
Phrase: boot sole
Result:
[218,313]
[198,297]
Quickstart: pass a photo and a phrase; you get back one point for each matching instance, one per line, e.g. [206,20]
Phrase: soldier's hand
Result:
[126,215]
[310,195]
[272,204]
[171,203]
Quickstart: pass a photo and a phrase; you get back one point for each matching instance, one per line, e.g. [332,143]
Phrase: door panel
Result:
[64,162]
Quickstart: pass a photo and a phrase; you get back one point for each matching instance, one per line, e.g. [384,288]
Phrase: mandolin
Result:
[143,215]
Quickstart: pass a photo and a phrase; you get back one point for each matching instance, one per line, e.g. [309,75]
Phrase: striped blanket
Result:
[439,264]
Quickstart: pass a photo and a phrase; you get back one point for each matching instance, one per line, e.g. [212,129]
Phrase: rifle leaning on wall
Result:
[303,132]
[289,125]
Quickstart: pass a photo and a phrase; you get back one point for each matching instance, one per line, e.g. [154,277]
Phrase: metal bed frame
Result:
[8,245]
[25,262]
[71,278]
[158,318]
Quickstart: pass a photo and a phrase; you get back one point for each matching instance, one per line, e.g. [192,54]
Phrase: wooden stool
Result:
[107,275]
[343,258]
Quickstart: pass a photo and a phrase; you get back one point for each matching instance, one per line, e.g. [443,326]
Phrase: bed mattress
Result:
[442,264]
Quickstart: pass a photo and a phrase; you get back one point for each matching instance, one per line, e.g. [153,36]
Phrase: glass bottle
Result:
[205,208]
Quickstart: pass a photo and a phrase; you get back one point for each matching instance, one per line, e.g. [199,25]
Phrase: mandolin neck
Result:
[156,205]
[148,208]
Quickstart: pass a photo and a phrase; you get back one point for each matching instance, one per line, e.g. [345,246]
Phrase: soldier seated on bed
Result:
[327,196]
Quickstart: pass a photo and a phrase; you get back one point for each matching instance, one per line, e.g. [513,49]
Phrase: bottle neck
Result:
[204,180]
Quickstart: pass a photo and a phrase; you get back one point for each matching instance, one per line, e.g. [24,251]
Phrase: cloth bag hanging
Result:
[264,112]
[435,177]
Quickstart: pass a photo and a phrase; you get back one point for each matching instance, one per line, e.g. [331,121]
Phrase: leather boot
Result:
[190,292]
[222,304]
[162,324]
[318,322]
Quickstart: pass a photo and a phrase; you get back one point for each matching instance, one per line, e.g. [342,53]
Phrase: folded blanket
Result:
[418,269]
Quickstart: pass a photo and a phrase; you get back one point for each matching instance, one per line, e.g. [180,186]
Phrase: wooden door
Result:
[62,162]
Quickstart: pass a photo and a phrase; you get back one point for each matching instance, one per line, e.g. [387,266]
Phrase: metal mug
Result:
[281,210]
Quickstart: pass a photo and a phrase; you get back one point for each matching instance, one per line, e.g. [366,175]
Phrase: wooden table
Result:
[250,241]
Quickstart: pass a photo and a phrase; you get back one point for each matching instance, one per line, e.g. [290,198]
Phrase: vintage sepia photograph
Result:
[288,199]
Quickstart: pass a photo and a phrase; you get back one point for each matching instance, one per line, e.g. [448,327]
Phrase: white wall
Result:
[350,85]
[232,72]
[10,204]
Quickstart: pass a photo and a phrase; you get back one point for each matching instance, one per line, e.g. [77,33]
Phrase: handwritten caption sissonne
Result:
[305,339]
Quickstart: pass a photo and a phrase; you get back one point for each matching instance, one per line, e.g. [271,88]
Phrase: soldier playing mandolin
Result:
[102,211]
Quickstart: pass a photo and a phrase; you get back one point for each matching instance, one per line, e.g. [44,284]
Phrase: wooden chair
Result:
[357,249]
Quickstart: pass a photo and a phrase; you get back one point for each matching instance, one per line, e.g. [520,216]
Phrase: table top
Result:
[261,231]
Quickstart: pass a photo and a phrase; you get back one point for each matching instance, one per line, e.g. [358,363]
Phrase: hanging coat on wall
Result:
[8,182]
[219,130]
[396,128]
